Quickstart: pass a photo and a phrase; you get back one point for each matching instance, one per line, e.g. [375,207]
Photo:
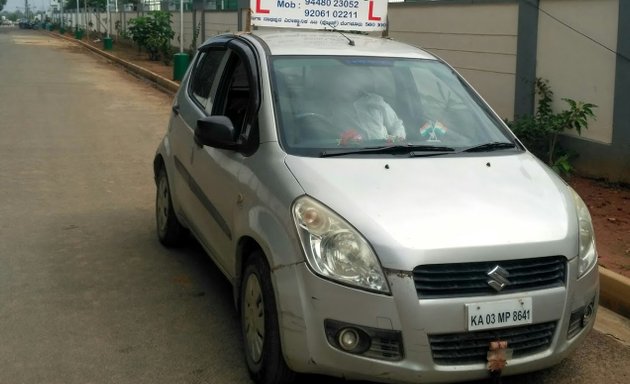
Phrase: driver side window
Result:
[235,94]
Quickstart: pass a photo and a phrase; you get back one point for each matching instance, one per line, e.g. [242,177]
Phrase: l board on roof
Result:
[344,15]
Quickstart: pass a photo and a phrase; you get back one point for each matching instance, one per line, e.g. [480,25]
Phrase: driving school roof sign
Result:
[349,15]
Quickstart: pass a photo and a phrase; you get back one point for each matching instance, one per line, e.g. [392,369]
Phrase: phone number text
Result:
[334,3]
[326,13]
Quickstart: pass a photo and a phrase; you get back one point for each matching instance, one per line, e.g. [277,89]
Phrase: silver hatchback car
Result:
[376,218]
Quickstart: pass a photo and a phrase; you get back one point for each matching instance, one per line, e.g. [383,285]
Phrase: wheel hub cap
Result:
[254,318]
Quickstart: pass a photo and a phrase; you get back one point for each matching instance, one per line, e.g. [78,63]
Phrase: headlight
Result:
[334,249]
[588,254]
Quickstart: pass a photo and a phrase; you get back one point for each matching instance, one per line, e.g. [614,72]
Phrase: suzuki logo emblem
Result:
[498,278]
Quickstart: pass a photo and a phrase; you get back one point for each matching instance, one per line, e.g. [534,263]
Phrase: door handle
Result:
[175,109]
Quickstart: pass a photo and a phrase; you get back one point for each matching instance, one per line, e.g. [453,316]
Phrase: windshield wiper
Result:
[487,147]
[412,150]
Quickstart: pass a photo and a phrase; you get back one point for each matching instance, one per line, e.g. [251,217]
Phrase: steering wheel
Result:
[315,126]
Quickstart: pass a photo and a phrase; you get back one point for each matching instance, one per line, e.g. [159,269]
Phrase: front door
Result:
[215,171]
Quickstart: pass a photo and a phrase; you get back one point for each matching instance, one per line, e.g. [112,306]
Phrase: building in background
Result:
[581,46]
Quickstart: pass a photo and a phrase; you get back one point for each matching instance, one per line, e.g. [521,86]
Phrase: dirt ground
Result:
[609,204]
[610,209]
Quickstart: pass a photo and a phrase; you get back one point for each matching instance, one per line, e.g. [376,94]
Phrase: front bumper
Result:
[306,301]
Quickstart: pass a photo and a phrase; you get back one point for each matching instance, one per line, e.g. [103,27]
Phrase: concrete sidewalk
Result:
[614,288]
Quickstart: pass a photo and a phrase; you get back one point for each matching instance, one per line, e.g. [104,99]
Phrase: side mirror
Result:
[215,131]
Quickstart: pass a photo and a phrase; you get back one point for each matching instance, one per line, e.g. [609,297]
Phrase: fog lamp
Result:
[348,339]
[375,343]
[588,313]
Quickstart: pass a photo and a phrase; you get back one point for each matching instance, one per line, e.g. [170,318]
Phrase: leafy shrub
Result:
[153,33]
[540,132]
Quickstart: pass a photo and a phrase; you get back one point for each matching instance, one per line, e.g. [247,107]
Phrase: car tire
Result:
[170,231]
[259,324]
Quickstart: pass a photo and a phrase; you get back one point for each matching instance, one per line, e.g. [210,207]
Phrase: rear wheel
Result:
[259,322]
[169,230]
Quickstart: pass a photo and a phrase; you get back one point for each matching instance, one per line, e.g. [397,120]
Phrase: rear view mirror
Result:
[215,131]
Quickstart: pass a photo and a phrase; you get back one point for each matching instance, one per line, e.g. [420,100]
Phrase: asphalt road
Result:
[87,294]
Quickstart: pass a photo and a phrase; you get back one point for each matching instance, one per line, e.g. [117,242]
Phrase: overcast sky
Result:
[12,5]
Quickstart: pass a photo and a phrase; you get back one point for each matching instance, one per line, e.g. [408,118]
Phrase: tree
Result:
[13,16]
[154,33]
[2,4]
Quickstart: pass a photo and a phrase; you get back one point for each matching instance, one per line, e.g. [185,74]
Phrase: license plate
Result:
[499,314]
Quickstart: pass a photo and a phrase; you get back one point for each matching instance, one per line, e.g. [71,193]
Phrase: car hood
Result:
[446,209]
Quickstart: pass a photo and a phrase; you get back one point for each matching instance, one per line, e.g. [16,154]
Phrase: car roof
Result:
[301,42]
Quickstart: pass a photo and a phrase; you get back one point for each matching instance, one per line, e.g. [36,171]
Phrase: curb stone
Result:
[614,288]
[168,85]
[614,292]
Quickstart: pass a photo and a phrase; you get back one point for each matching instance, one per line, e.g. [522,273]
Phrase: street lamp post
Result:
[85,19]
[180,60]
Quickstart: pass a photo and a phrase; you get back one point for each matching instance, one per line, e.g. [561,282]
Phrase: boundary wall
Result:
[501,46]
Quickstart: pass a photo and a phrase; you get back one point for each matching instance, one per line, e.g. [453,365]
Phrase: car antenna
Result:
[350,41]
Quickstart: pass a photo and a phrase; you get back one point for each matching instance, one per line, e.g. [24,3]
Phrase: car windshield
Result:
[326,103]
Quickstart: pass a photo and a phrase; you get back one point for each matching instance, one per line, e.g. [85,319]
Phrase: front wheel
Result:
[259,322]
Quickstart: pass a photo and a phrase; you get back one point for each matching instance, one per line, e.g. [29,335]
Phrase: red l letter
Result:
[260,10]
[371,12]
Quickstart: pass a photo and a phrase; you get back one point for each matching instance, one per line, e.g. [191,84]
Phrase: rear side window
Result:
[206,78]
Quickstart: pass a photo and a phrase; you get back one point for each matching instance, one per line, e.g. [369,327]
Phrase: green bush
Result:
[540,132]
[153,33]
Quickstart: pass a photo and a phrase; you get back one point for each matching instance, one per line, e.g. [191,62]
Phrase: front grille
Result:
[469,279]
[472,347]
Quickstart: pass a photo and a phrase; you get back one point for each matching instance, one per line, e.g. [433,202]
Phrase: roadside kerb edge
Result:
[614,292]
[614,288]
[163,82]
